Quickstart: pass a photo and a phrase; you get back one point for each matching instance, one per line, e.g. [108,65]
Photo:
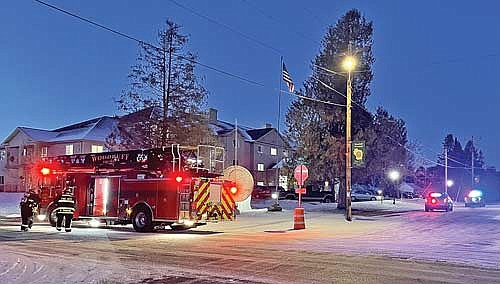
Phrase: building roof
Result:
[96,129]
[256,134]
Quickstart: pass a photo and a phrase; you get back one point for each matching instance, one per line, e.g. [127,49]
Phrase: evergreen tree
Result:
[318,130]
[164,100]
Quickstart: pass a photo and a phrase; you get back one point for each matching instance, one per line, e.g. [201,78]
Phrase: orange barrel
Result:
[298,219]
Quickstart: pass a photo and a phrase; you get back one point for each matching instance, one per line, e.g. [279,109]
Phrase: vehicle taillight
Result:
[178,179]
[45,171]
[233,189]
[433,201]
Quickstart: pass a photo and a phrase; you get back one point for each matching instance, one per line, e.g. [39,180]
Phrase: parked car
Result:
[363,195]
[408,195]
[263,192]
[287,194]
[438,201]
[313,193]
[475,198]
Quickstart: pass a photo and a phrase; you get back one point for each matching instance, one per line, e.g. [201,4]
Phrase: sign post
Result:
[300,173]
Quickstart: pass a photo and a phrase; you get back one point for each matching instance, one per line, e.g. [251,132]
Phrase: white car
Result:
[363,195]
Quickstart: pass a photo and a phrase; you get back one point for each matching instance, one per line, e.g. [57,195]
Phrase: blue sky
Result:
[436,61]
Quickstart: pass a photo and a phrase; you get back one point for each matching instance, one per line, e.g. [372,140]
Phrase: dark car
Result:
[287,194]
[438,201]
[264,192]
[474,198]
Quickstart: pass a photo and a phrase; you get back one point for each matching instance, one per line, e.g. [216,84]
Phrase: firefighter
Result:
[65,207]
[29,205]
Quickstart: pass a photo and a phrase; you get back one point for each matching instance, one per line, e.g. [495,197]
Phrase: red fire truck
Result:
[180,187]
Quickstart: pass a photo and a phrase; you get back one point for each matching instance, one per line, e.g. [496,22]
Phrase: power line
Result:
[192,11]
[302,35]
[179,56]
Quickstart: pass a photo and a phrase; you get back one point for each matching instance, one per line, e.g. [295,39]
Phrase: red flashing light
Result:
[233,189]
[434,201]
[178,179]
[45,171]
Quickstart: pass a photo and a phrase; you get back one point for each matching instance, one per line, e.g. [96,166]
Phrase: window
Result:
[274,151]
[260,167]
[259,149]
[25,152]
[97,149]
[44,152]
[2,155]
[2,181]
[260,183]
[69,149]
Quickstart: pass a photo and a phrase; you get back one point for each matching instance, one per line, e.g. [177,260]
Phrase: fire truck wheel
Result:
[142,219]
[52,216]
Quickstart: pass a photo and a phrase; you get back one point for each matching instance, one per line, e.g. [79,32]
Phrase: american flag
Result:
[288,79]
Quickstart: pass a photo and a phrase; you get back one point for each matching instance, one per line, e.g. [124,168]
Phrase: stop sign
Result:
[301,173]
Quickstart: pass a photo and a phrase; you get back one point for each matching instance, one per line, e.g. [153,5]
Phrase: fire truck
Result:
[176,186]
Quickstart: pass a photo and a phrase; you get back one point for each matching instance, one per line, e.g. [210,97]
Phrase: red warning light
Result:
[178,179]
[233,189]
[45,171]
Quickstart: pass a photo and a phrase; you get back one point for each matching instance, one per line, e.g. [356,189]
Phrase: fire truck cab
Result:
[180,187]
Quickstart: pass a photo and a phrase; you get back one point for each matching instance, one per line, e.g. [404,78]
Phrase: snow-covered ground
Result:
[9,203]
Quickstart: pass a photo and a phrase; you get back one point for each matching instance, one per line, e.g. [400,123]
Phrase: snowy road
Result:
[404,246]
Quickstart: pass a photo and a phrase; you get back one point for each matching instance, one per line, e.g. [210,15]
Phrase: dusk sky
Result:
[436,61]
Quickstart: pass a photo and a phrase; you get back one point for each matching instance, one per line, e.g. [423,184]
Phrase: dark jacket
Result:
[30,200]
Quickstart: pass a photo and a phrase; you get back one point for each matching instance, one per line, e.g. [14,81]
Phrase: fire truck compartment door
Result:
[106,192]
[215,193]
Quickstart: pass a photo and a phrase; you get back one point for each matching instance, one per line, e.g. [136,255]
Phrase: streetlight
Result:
[349,64]
[449,183]
[394,176]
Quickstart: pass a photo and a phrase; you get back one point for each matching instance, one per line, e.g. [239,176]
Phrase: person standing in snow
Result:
[65,207]
[29,205]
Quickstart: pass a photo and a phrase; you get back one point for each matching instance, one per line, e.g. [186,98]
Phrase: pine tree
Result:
[164,101]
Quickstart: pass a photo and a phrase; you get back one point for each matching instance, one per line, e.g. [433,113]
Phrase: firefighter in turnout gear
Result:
[65,207]
[29,205]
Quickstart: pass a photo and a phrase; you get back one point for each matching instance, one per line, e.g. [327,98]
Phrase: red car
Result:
[264,192]
[438,201]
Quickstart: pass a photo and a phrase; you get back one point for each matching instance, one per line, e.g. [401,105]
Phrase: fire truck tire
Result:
[51,216]
[142,219]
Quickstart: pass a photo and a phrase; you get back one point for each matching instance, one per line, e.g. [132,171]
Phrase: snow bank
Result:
[9,203]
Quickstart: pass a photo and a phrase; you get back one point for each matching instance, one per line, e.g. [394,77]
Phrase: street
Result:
[399,246]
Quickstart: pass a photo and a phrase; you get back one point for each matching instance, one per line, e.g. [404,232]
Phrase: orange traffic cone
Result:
[298,219]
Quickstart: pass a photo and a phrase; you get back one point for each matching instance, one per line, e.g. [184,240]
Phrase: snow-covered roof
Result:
[97,129]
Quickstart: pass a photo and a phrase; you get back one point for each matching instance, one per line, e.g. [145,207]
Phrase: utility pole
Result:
[472,162]
[445,169]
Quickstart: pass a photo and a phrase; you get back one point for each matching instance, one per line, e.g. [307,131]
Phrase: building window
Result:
[274,151]
[44,152]
[259,149]
[260,183]
[2,155]
[25,152]
[97,149]
[260,167]
[69,149]
[2,180]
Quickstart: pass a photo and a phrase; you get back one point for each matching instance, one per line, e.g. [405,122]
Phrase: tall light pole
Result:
[394,176]
[349,64]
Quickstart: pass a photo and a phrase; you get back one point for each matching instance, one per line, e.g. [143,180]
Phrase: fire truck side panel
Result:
[168,203]
[137,191]
[103,196]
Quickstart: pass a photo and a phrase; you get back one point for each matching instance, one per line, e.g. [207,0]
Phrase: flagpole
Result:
[278,128]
